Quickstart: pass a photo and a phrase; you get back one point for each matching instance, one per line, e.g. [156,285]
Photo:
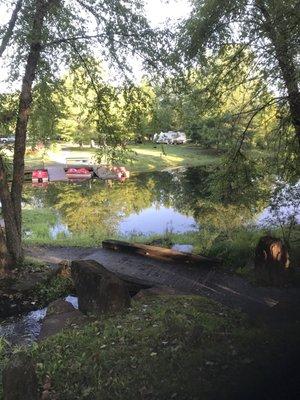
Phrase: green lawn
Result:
[150,157]
[146,157]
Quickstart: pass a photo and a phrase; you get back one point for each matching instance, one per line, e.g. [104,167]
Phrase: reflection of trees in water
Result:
[96,205]
[86,208]
[203,193]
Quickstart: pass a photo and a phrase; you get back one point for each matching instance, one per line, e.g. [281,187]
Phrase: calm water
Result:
[150,203]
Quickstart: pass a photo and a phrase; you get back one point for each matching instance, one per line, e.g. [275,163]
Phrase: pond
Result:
[186,200]
[157,203]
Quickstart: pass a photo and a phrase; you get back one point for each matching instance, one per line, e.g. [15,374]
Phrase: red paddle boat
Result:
[78,173]
[40,176]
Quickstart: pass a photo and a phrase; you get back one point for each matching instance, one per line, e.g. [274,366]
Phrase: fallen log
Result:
[160,253]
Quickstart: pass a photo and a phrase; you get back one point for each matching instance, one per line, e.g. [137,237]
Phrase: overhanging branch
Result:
[10,28]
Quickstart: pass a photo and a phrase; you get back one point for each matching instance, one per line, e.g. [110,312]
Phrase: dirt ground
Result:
[273,305]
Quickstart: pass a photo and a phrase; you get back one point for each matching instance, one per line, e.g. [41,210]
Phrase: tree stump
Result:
[272,264]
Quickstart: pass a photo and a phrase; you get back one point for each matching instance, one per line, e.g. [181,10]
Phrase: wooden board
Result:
[160,253]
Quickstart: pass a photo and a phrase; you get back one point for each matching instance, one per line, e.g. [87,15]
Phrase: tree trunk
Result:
[11,201]
[289,75]
[8,34]
[280,42]
[13,239]
[5,260]
[24,109]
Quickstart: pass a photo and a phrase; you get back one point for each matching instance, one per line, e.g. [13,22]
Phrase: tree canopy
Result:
[231,84]
[44,36]
[268,27]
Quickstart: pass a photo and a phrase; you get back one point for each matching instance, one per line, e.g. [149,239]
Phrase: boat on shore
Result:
[40,176]
[111,172]
[79,173]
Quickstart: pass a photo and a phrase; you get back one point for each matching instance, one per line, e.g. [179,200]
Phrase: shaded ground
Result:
[270,304]
[176,347]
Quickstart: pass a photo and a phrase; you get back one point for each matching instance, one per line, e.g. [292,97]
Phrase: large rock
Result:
[60,315]
[99,290]
[19,379]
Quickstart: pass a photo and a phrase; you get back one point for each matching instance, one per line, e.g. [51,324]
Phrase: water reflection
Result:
[59,229]
[284,207]
[158,220]
[156,202]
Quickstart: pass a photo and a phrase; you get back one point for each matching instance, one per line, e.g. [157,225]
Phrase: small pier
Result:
[57,174]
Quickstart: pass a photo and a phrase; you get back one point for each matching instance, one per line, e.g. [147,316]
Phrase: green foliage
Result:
[159,346]
[162,346]
[255,82]
[5,351]
[57,288]
[8,107]
[114,155]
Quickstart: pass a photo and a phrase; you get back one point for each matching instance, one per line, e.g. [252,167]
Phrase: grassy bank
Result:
[145,157]
[236,248]
[167,348]
[150,157]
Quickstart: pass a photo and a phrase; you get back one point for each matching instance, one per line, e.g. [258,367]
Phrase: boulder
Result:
[60,315]
[99,290]
[59,306]
[271,262]
[19,379]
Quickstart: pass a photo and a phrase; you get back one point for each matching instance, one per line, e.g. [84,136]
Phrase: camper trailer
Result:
[170,137]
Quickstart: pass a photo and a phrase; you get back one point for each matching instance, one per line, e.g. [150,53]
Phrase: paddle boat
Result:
[40,176]
[112,172]
[79,173]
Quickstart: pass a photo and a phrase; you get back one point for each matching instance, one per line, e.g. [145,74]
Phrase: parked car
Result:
[7,140]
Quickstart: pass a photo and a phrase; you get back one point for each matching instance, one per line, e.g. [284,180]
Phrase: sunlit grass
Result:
[147,157]
[158,157]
